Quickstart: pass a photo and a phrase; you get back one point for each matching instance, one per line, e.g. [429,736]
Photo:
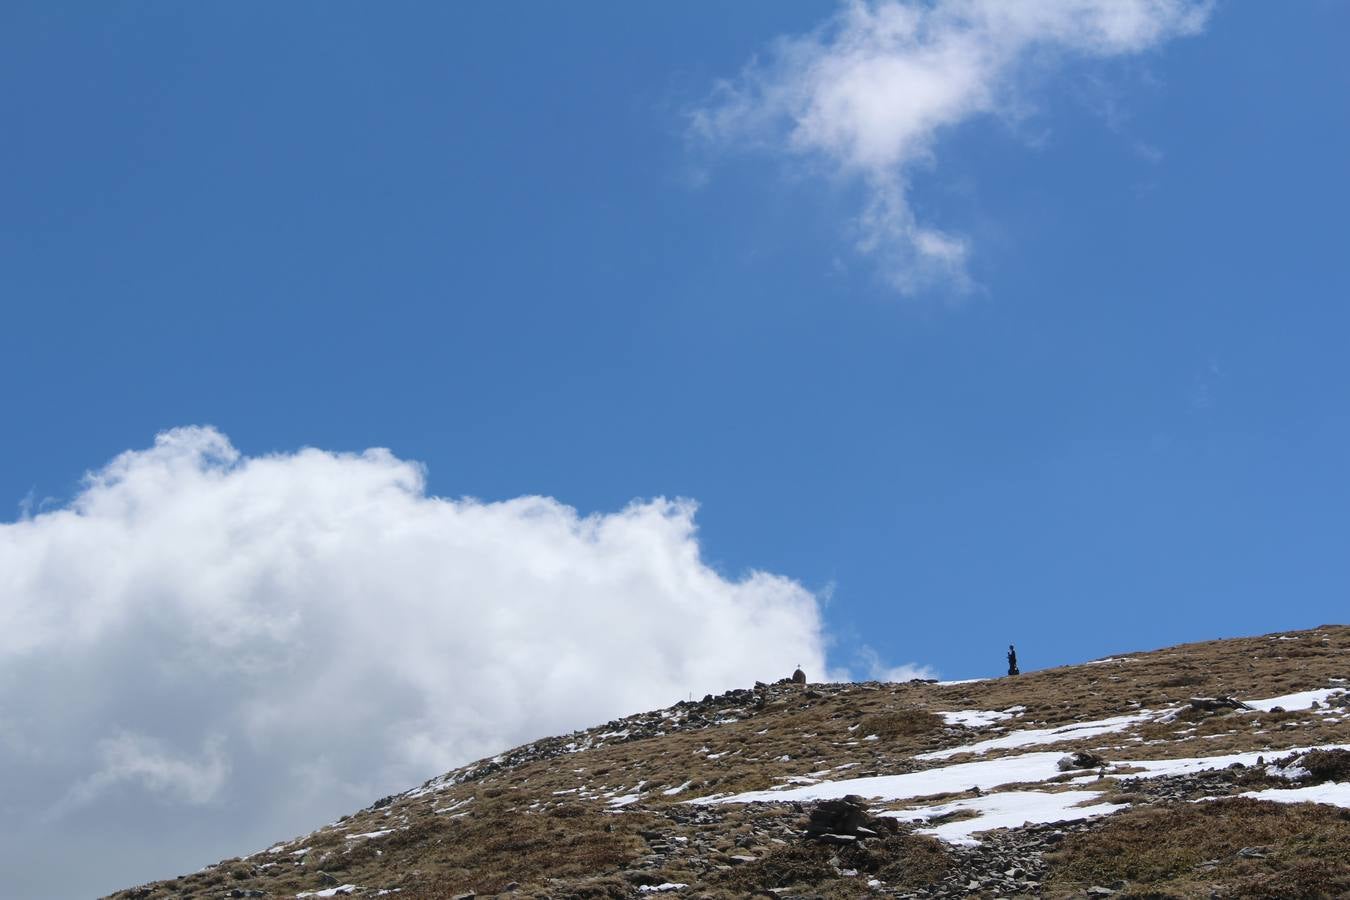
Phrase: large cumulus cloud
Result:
[204,649]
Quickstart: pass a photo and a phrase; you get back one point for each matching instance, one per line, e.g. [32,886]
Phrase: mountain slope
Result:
[887,790]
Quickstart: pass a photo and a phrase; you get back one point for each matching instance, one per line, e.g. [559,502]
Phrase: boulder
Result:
[845,821]
[1080,759]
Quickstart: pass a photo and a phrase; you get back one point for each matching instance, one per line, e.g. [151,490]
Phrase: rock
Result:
[842,839]
[327,880]
[846,817]
[1080,759]
[1099,891]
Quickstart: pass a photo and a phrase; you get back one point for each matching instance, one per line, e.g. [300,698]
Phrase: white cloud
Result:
[875,669]
[137,758]
[252,646]
[870,93]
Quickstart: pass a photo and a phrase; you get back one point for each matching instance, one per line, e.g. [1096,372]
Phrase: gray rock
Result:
[1080,759]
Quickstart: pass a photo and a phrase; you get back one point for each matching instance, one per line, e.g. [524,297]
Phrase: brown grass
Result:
[902,723]
[1327,765]
[1193,849]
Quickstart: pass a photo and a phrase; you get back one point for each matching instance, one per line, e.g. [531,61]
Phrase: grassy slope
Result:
[540,817]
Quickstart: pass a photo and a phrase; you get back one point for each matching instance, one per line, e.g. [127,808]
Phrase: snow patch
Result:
[984,774]
[1036,736]
[1336,793]
[370,834]
[979,718]
[1009,809]
[1295,702]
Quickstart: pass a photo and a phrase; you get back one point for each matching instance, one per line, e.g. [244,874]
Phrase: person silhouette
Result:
[1012,661]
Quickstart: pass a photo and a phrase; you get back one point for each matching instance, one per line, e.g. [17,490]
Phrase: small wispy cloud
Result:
[868,94]
[1204,385]
[128,757]
[876,669]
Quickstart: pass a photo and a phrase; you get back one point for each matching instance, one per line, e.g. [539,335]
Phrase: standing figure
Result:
[1012,661]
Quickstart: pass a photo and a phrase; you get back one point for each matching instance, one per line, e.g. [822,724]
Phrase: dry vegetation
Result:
[1197,850]
[903,861]
[541,822]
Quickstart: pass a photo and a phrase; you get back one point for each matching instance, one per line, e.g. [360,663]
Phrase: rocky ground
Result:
[1120,778]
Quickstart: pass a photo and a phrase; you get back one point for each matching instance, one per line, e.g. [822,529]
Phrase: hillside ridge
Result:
[1057,782]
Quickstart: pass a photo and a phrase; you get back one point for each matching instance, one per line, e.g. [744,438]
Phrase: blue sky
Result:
[491,239]
[480,237]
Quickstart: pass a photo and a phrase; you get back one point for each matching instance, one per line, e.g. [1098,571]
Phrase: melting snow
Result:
[1334,793]
[1035,736]
[984,774]
[1009,809]
[328,892]
[978,718]
[1295,702]
[1159,767]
